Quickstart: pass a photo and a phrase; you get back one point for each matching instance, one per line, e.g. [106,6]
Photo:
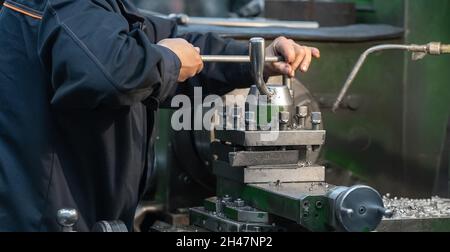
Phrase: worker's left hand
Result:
[296,57]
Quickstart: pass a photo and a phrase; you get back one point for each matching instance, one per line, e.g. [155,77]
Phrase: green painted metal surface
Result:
[301,210]
[427,92]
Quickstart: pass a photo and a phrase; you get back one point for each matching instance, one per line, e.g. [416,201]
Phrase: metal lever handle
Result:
[67,218]
[257,58]
[235,59]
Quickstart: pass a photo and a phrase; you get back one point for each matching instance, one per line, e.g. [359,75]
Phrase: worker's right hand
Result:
[191,61]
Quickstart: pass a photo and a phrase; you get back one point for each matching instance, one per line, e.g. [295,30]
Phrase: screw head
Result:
[284,116]
[301,111]
[316,118]
[239,202]
[226,198]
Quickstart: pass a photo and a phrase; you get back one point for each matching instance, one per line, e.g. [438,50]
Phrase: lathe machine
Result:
[263,155]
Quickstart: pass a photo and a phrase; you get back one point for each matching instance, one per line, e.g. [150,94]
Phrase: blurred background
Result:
[206,8]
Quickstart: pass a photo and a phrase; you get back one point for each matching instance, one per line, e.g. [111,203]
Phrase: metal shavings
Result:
[405,208]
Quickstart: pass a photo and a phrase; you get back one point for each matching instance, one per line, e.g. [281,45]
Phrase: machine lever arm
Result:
[235,59]
[257,58]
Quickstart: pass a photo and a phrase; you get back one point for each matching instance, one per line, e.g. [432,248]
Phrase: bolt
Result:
[239,203]
[284,117]
[227,199]
[301,112]
[316,120]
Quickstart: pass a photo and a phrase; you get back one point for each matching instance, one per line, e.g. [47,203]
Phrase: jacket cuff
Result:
[170,70]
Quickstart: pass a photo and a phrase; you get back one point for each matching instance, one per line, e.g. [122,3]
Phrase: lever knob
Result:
[67,218]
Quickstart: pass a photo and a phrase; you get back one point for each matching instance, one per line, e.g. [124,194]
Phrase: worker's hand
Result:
[191,61]
[297,57]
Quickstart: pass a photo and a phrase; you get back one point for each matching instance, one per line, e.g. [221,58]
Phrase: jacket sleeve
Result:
[221,78]
[95,57]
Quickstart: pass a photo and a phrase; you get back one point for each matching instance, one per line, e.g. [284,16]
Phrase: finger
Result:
[306,61]
[193,73]
[200,64]
[285,48]
[301,52]
[197,49]
[200,68]
[315,52]
[282,68]
[182,78]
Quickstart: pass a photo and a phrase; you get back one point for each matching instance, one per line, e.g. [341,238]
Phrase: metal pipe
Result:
[251,23]
[358,66]
[419,51]
[183,19]
[235,59]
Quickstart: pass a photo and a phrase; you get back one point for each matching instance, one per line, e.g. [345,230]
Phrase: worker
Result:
[80,82]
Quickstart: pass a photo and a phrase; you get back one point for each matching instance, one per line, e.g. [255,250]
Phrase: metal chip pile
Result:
[405,208]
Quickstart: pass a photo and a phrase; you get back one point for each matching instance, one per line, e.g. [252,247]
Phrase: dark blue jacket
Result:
[79,83]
